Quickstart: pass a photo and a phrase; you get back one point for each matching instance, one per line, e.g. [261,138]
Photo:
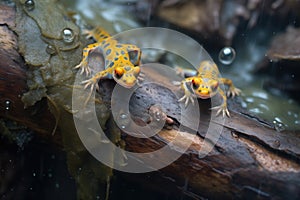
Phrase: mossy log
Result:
[249,160]
[13,81]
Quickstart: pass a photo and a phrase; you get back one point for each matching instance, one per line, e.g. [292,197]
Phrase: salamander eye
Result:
[195,83]
[134,57]
[119,72]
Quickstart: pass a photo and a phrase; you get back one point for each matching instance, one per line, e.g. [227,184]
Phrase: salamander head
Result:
[126,75]
[204,89]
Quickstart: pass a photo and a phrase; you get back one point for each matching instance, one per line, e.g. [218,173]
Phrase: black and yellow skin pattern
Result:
[206,84]
[121,60]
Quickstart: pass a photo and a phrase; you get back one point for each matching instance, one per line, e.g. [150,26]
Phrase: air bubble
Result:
[7,105]
[227,55]
[123,116]
[51,49]
[68,35]
[29,4]
[278,125]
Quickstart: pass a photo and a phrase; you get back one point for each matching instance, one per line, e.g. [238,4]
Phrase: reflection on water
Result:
[114,17]
[282,111]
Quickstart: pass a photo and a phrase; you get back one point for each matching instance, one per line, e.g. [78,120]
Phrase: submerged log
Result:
[248,159]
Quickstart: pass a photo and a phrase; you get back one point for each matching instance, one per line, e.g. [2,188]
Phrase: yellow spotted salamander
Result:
[206,84]
[121,60]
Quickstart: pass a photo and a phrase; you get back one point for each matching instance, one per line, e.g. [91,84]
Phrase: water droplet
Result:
[33,174]
[51,49]
[276,143]
[249,100]
[158,116]
[233,133]
[29,4]
[57,185]
[256,110]
[278,125]
[278,119]
[227,55]
[49,175]
[244,104]
[123,116]
[123,120]
[68,35]
[7,105]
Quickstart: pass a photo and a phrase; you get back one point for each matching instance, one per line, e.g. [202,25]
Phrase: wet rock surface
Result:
[282,63]
[217,21]
[286,46]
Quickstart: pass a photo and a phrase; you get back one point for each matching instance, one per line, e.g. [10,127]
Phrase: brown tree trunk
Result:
[249,159]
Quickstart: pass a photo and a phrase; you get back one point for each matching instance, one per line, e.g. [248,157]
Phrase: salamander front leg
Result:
[232,90]
[223,107]
[188,96]
[83,65]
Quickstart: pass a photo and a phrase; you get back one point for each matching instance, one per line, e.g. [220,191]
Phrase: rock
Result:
[216,22]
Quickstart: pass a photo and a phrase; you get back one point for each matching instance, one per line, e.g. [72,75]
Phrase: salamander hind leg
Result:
[97,33]
[184,73]
[93,82]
